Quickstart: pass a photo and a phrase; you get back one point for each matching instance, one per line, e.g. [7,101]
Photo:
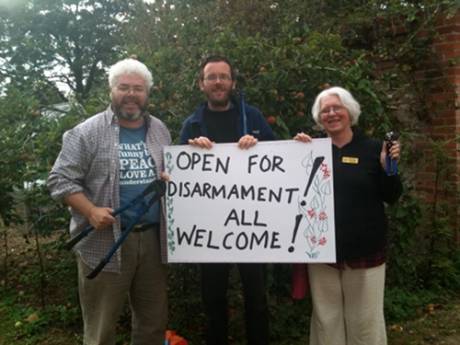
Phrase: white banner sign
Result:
[271,203]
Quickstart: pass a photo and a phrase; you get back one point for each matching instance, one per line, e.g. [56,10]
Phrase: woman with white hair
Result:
[348,295]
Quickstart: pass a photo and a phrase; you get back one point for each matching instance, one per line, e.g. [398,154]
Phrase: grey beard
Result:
[129,117]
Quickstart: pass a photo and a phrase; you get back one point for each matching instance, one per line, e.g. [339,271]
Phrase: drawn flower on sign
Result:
[325,170]
[312,205]
[322,215]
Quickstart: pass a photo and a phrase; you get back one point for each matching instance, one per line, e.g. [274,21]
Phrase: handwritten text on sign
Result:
[271,203]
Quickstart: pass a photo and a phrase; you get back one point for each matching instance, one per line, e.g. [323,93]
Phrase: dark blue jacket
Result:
[251,121]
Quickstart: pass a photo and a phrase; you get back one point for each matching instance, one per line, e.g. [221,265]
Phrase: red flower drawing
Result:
[322,215]
[325,170]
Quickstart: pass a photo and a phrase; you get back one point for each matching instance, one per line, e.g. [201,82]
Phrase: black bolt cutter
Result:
[157,186]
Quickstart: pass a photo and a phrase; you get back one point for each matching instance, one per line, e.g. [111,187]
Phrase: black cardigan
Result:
[361,187]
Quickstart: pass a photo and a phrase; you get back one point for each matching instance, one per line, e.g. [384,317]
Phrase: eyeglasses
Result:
[214,77]
[335,108]
[124,88]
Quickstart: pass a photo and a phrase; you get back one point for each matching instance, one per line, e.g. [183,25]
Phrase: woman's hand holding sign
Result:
[305,138]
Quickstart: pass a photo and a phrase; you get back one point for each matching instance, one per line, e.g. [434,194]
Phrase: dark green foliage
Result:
[286,53]
[441,269]
[289,319]
[67,41]
[403,263]
[17,121]
[403,304]
[25,319]
[187,316]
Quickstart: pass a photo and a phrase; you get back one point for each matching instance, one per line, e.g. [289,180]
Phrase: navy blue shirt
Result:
[249,121]
[137,171]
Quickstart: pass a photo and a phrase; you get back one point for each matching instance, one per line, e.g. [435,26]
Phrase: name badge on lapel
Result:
[350,160]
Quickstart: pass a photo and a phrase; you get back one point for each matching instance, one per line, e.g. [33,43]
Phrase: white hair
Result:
[129,66]
[348,101]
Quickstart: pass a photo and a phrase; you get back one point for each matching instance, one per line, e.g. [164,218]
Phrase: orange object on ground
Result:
[171,338]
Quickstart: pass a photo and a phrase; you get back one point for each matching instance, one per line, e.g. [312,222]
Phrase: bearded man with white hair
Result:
[104,162]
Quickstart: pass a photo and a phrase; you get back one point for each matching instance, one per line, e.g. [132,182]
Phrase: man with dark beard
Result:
[222,119]
[104,162]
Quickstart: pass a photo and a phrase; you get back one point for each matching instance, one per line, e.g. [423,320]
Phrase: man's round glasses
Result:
[215,77]
[123,88]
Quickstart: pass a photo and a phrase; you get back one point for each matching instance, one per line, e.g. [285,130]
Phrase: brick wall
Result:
[440,78]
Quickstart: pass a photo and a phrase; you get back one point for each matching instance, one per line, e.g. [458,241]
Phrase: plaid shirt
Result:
[89,163]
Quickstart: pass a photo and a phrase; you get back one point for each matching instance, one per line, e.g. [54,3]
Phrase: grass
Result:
[27,320]
[439,324]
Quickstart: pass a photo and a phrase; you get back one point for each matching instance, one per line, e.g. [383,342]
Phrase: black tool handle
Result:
[125,233]
[98,269]
[158,186]
[74,240]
